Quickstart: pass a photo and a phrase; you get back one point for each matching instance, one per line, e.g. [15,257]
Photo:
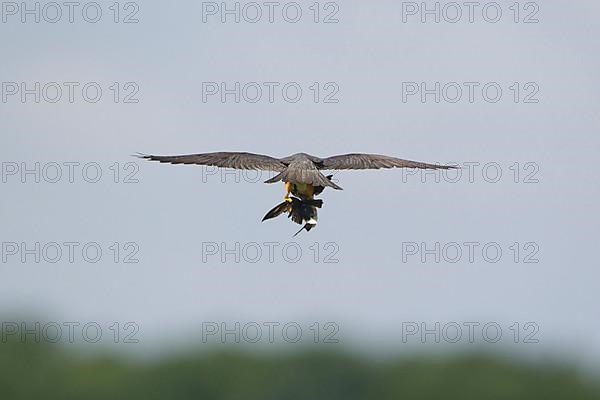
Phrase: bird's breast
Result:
[304,190]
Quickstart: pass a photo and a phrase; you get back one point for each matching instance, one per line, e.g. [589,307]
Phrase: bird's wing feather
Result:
[234,160]
[373,161]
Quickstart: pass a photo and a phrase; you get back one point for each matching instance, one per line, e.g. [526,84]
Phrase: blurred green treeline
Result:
[41,371]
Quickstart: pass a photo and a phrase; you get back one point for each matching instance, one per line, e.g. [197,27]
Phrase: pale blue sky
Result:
[171,212]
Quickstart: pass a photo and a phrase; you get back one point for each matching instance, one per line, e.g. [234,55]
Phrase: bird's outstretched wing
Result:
[373,161]
[234,160]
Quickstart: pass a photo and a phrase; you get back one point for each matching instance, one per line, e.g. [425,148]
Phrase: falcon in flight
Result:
[301,174]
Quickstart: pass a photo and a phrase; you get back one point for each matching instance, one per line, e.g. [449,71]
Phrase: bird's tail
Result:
[306,227]
[306,213]
[312,176]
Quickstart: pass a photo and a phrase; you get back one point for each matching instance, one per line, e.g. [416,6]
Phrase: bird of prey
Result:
[301,174]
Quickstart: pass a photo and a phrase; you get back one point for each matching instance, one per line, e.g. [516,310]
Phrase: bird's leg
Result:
[288,190]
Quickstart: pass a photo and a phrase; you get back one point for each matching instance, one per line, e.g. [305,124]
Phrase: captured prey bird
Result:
[300,210]
[301,174]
